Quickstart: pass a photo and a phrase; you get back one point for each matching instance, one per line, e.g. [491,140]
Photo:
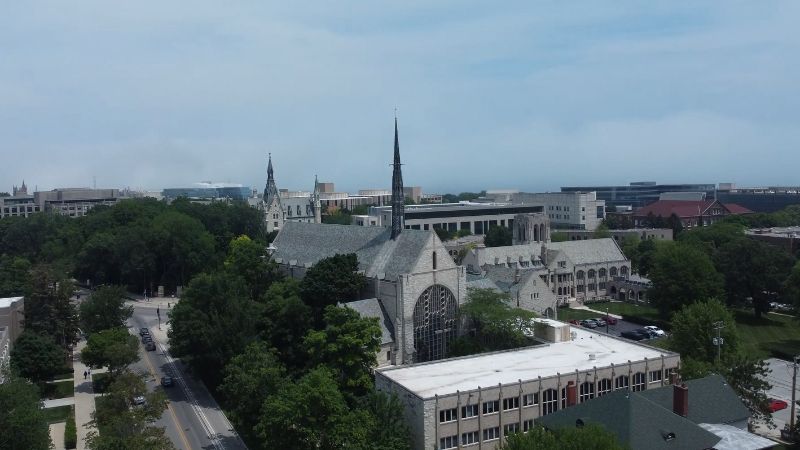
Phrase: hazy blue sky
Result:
[525,95]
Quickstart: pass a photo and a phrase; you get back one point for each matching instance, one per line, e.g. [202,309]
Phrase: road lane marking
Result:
[169,406]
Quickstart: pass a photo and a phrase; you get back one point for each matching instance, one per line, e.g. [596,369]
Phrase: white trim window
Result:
[469,411]
[491,434]
[638,382]
[491,407]
[510,428]
[530,399]
[656,375]
[448,415]
[603,387]
[510,403]
[469,438]
[448,442]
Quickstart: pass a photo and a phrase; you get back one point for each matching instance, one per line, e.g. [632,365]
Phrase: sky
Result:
[488,95]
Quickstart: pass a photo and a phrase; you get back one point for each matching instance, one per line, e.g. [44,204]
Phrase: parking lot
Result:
[621,326]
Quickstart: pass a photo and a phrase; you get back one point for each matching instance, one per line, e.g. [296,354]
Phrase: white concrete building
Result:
[472,402]
[566,210]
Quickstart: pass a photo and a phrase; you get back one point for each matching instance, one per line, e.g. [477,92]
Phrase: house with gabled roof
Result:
[692,213]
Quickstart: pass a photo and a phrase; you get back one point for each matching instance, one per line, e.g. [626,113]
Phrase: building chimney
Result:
[572,393]
[673,378]
[680,400]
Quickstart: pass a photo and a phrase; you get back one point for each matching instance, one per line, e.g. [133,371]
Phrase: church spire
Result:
[315,199]
[398,197]
[270,190]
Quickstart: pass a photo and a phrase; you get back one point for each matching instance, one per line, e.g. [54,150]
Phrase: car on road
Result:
[633,335]
[167,382]
[138,400]
[777,405]
[611,320]
[588,324]
[150,346]
[143,331]
[599,322]
[656,330]
[146,338]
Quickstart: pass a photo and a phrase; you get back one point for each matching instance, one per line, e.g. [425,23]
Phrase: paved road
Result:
[194,421]
[781,381]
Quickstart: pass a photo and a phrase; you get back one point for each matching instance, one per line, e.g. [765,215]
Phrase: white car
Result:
[656,330]
[138,400]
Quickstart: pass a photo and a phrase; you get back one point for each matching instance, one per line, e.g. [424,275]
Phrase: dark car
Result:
[632,335]
[588,324]
[143,331]
[611,320]
[146,338]
[150,346]
[648,334]
[167,382]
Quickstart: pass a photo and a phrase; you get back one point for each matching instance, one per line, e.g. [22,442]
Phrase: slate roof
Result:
[736,209]
[711,400]
[686,208]
[482,283]
[635,420]
[377,253]
[371,307]
[504,277]
[514,251]
[591,251]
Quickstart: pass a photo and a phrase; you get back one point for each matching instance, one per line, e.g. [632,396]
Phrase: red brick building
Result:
[690,212]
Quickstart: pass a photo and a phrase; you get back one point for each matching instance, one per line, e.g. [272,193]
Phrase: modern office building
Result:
[475,217]
[642,193]
[18,206]
[566,210]
[72,202]
[477,400]
[764,199]
[209,191]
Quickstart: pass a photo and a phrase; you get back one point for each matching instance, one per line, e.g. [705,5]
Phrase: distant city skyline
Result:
[518,95]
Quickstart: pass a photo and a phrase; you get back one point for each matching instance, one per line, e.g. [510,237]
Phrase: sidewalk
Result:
[152,302]
[59,402]
[602,313]
[84,396]
[57,434]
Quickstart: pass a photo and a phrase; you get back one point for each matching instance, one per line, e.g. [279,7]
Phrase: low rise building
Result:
[477,400]
[209,191]
[786,237]
[768,199]
[691,213]
[659,234]
[566,210]
[11,310]
[74,202]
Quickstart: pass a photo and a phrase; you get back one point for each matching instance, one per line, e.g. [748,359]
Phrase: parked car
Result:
[138,400]
[150,346]
[167,382]
[588,324]
[611,320]
[783,307]
[632,335]
[648,334]
[143,331]
[574,322]
[777,405]
[656,330]
[599,322]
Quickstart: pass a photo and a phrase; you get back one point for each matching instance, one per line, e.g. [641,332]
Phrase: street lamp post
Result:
[607,317]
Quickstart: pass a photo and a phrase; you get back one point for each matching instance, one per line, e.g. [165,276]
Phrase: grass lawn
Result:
[63,376]
[61,389]
[57,414]
[773,335]
[628,309]
[565,314]
[100,382]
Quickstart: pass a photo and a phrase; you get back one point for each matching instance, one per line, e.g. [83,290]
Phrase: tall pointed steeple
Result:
[398,197]
[315,199]
[270,190]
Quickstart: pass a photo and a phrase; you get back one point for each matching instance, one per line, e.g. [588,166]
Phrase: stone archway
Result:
[435,321]
[549,313]
[613,290]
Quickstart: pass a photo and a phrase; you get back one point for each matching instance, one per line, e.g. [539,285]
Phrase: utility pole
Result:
[794,387]
[607,317]
[719,326]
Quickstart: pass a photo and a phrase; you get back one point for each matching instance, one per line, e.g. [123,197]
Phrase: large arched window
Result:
[613,271]
[435,316]
[602,273]
[621,382]
[579,275]
[591,273]
[624,271]
[586,391]
[603,387]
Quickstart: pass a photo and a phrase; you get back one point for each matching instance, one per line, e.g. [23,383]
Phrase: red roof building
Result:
[691,213]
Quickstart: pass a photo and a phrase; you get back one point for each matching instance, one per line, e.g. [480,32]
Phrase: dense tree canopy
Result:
[37,357]
[48,309]
[104,309]
[681,276]
[492,323]
[114,348]
[332,281]
[498,236]
[694,330]
[22,424]
[589,437]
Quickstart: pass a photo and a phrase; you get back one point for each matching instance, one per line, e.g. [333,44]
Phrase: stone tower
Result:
[316,204]
[273,211]
[531,228]
[22,190]
[398,197]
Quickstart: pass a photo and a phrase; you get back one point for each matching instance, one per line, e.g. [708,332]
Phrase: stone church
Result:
[415,288]
[279,211]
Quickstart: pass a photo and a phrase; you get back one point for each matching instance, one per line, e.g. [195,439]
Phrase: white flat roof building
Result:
[508,390]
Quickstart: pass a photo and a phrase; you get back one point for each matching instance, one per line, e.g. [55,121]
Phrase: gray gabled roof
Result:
[711,400]
[505,277]
[634,420]
[528,252]
[482,283]
[591,251]
[377,253]
[371,307]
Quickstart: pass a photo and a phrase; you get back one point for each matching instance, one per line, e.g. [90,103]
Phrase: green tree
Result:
[444,234]
[682,275]
[347,346]
[22,424]
[630,248]
[611,223]
[489,313]
[590,437]
[647,248]
[711,238]
[674,222]
[748,377]
[250,379]
[791,286]
[14,276]
[48,309]
[114,348]
[498,236]
[249,259]
[183,245]
[104,309]
[37,357]
[753,269]
[311,414]
[601,232]
[558,236]
[693,332]
[387,426]
[285,323]
[214,321]
[124,424]
[409,201]
[332,281]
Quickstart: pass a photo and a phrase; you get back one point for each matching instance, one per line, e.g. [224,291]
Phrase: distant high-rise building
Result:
[641,193]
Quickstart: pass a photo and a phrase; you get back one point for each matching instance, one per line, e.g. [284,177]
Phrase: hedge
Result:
[70,434]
